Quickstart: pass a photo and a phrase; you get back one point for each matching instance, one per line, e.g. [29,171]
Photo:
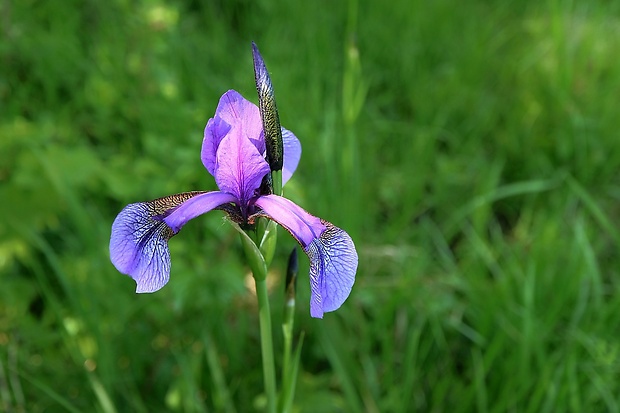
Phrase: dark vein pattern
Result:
[139,241]
[333,264]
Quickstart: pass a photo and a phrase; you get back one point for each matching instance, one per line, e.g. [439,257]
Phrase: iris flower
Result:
[234,151]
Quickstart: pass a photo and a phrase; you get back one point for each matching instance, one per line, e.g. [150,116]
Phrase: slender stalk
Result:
[269,369]
[257,263]
[290,366]
[276,176]
[287,331]
[288,372]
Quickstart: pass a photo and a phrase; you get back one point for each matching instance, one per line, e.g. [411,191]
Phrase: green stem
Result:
[288,374]
[290,366]
[287,331]
[276,177]
[269,369]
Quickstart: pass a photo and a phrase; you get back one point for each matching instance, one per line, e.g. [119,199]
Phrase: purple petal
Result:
[303,226]
[196,206]
[333,264]
[240,167]
[139,241]
[332,254]
[292,154]
[233,112]
[215,131]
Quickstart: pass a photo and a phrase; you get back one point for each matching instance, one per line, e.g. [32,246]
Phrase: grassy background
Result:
[472,152]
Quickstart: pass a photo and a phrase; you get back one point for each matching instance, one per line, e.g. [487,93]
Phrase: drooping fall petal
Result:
[333,264]
[139,240]
[332,254]
[198,205]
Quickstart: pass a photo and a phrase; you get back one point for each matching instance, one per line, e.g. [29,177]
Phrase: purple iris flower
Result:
[233,151]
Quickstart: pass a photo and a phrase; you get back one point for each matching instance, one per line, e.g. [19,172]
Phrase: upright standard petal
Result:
[240,113]
[292,154]
[139,241]
[215,131]
[240,167]
[332,254]
[234,111]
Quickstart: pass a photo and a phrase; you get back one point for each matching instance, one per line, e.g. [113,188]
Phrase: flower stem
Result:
[288,371]
[276,176]
[290,365]
[269,370]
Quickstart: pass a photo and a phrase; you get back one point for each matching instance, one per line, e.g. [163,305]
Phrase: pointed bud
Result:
[268,112]
[291,276]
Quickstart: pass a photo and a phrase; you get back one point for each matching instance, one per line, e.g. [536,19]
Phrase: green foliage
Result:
[470,151]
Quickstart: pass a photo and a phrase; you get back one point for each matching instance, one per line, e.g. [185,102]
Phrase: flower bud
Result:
[268,112]
[291,276]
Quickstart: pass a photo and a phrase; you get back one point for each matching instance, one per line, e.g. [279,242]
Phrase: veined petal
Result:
[333,264]
[139,241]
[234,111]
[240,167]
[292,154]
[196,206]
[332,254]
[215,131]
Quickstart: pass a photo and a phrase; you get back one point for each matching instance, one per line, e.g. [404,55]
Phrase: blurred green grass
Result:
[470,150]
